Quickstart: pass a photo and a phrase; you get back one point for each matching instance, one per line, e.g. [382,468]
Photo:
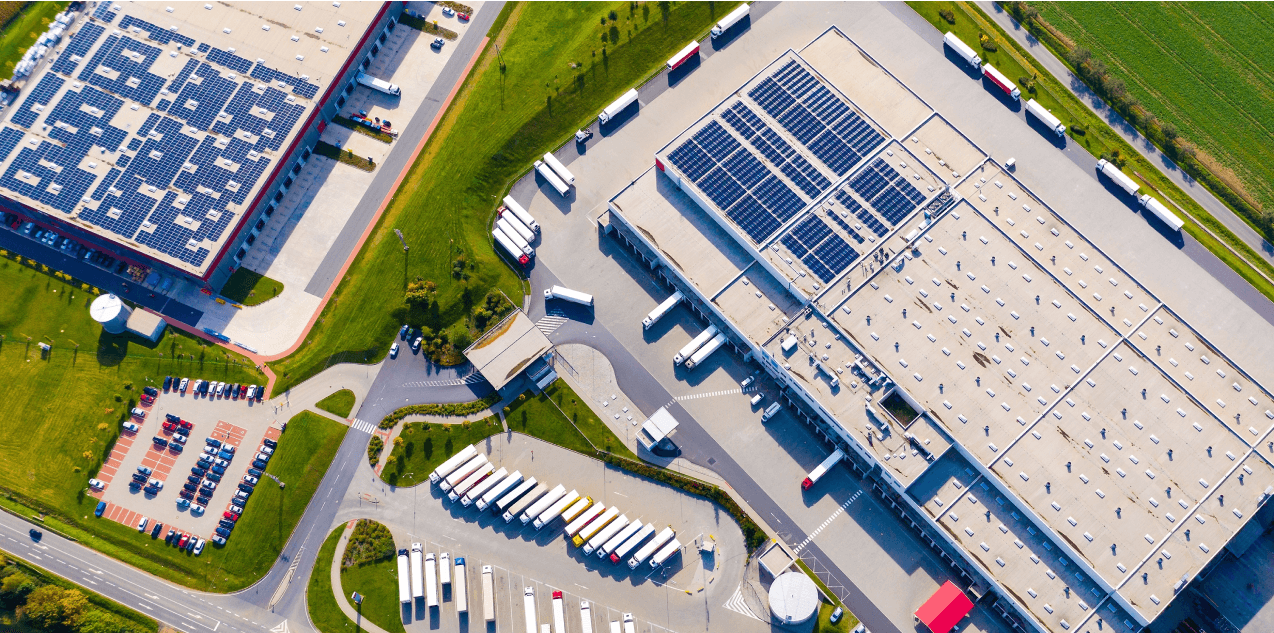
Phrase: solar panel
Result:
[801,123]
[861,213]
[811,231]
[772,98]
[163,36]
[849,230]
[691,161]
[716,141]
[778,198]
[826,106]
[754,219]
[834,153]
[9,139]
[794,245]
[795,79]
[746,169]
[78,48]
[103,12]
[40,96]
[721,188]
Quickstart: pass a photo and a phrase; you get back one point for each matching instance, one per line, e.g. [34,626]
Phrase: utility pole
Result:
[402,240]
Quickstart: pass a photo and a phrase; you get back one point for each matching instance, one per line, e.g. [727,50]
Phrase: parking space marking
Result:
[827,522]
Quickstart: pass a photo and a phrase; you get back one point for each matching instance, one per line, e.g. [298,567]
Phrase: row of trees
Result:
[40,605]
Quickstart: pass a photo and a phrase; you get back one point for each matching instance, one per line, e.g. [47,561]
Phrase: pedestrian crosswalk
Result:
[550,323]
[360,425]
[712,394]
[737,604]
[466,380]
[797,549]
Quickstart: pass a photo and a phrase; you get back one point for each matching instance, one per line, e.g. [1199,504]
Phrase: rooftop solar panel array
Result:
[824,252]
[78,48]
[851,206]
[888,192]
[776,150]
[104,12]
[745,189]
[835,134]
[130,61]
[40,96]
[9,139]
[163,36]
[270,75]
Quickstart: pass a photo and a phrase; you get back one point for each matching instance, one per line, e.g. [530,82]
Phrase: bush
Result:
[369,542]
[987,44]
[374,448]
[948,15]
[460,409]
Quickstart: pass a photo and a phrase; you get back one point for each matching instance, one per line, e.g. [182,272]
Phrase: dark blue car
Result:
[101,507]
[220,470]
[214,477]
[223,532]
[213,443]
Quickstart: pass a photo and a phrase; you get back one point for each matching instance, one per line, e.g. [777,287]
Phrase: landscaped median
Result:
[320,599]
[369,566]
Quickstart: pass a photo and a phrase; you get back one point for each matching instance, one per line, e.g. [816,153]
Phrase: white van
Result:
[771,411]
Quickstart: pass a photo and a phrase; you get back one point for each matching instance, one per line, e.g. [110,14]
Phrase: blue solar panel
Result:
[868,184]
[750,216]
[795,79]
[836,253]
[834,153]
[824,252]
[9,139]
[849,230]
[133,79]
[778,198]
[721,188]
[794,245]
[736,122]
[41,95]
[799,179]
[229,60]
[716,141]
[200,103]
[811,231]
[103,12]
[771,97]
[826,106]
[801,124]
[692,161]
[861,213]
[179,81]
[163,36]
[299,86]
[855,131]
[78,48]
[746,169]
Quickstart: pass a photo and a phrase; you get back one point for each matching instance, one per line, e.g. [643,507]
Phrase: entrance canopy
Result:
[944,609]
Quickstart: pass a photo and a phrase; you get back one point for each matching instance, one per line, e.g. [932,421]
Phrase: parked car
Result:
[225,454]
[242,494]
[141,524]
[183,503]
[197,509]
[192,485]
[154,532]
[210,485]
[204,463]
[96,484]
[261,394]
[157,483]
[172,418]
[168,383]
[219,469]
[213,443]
[213,477]
[198,472]
[222,462]
[265,457]
[269,442]
[228,449]
[836,615]
[139,478]
[255,472]
[226,523]
[393,350]
[402,332]
[138,413]
[172,534]
[176,448]
[191,479]
[151,490]
[134,486]
[448,11]
[463,17]
[437,43]
[184,383]
[101,507]
[249,479]
[219,540]
[131,427]
[198,547]
[246,488]
[169,427]
[222,532]
[252,391]
[186,494]
[150,391]
[180,439]
[236,505]
[203,501]
[230,516]
[185,425]
[185,538]
[259,464]
[221,387]
[206,492]
[160,442]
[415,345]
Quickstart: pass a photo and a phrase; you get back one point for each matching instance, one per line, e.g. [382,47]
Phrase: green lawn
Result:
[338,404]
[425,445]
[325,613]
[378,583]
[589,424]
[250,288]
[824,625]
[24,29]
[500,121]
[97,614]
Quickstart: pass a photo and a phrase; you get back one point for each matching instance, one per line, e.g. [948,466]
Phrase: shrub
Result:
[987,44]
[369,542]
[374,447]
[948,15]
[456,409]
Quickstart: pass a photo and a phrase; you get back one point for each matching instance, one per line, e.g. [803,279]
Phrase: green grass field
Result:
[588,423]
[426,445]
[250,288]
[1207,68]
[338,404]
[24,29]
[325,613]
[378,583]
[554,79]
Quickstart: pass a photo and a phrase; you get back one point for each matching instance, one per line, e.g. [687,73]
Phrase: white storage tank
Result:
[793,598]
[111,312]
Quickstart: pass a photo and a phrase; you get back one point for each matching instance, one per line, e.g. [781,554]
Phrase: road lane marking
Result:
[828,521]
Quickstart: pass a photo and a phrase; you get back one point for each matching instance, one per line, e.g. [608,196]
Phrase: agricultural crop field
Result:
[1207,68]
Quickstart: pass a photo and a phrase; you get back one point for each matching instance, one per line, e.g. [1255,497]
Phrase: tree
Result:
[16,587]
[43,608]
[74,605]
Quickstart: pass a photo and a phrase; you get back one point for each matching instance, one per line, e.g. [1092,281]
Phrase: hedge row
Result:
[455,409]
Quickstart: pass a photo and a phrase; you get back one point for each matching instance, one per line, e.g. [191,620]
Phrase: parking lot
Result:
[240,423]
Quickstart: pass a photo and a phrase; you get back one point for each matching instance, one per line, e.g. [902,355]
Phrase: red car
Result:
[169,427]
[185,538]
[230,516]
[463,16]
[147,401]
[185,424]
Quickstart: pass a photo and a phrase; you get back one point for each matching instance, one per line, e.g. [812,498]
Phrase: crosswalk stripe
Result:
[713,394]
[467,380]
[826,523]
[363,426]
[550,323]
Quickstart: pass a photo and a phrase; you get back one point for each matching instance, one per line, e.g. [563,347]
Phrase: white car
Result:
[393,350]
[182,387]
[198,547]
[747,381]
[197,509]
[156,483]
[218,540]
[96,484]
[266,449]
[262,456]
[249,479]
[448,11]
[252,391]
[220,387]
[131,427]
[141,525]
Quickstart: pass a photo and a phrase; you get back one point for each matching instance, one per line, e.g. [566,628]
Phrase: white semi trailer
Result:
[585,617]
[483,487]
[577,524]
[1045,117]
[566,294]
[558,168]
[379,85]
[617,106]
[1162,212]
[822,469]
[542,504]
[1118,177]
[552,178]
[513,234]
[460,588]
[458,475]
[455,461]
[404,578]
[558,508]
[604,546]
[963,50]
[686,54]
[662,309]
[559,613]
[651,547]
[512,205]
[431,582]
[417,572]
[498,490]
[474,478]
[665,553]
[528,608]
[507,499]
[520,505]
[509,246]
[704,352]
[694,344]
[488,595]
[731,19]
[521,229]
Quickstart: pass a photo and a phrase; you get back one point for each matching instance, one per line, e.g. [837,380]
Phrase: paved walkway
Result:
[339,593]
[1130,134]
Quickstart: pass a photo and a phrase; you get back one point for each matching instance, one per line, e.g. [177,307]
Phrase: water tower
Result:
[110,311]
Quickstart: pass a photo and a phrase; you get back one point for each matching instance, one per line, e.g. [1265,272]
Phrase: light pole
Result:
[400,239]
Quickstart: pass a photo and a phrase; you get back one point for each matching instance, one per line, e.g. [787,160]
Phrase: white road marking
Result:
[712,394]
[827,522]
[366,427]
[737,604]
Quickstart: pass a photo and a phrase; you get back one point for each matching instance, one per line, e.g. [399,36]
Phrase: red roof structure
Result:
[944,609]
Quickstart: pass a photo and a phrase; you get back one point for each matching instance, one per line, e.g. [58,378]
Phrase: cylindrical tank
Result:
[111,312]
[793,598]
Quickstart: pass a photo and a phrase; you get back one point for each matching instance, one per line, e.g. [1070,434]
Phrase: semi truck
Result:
[488,595]
[1162,212]
[558,168]
[512,205]
[686,54]
[580,522]
[460,590]
[731,19]
[651,547]
[585,617]
[566,294]
[518,227]
[483,487]
[431,584]
[417,572]
[458,475]
[559,615]
[553,180]
[404,578]
[505,500]
[1000,80]
[665,553]
[617,106]
[510,247]
[607,540]
[444,569]
[528,608]
[498,490]
[542,504]
[558,508]
[662,309]
[594,526]
[1106,167]
[469,482]
[379,85]
[455,461]
[694,344]
[961,49]
[633,541]
[706,351]
[520,505]
[822,469]
[1045,117]
[512,233]
[629,625]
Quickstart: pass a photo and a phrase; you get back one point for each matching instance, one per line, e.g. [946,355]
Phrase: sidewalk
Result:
[339,594]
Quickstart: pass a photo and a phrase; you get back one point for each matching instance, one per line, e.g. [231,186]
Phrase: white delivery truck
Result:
[559,615]
[665,553]
[512,233]
[629,625]
[593,526]
[694,344]
[498,490]
[822,469]
[379,85]
[686,54]
[633,541]
[404,578]
[460,590]
[1004,83]
[528,607]
[474,478]
[417,572]
[431,584]
[704,352]
[455,461]
[488,595]
[476,492]
[963,50]
[662,309]
[542,504]
[1051,122]
[617,106]
[512,205]
[1106,167]
[604,546]
[614,626]
[558,508]
[585,617]
[521,229]
[1162,212]
[558,168]
[509,246]
[458,475]
[578,523]
[505,500]
[552,178]
[566,294]
[651,547]
[444,569]
[520,505]
[731,19]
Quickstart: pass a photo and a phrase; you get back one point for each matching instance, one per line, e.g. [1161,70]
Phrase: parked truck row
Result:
[470,478]
[515,231]
[419,573]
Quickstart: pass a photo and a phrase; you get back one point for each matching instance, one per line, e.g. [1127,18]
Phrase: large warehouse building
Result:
[162,134]
[1072,447]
